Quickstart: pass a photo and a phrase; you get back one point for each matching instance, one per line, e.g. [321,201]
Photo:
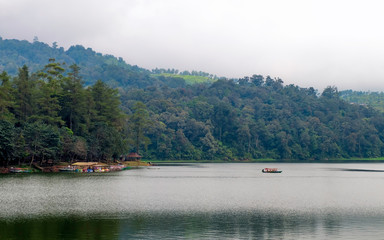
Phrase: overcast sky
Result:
[309,43]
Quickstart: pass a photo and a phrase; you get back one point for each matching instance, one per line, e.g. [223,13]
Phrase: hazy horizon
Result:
[304,42]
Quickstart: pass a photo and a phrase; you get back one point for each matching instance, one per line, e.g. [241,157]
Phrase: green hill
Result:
[182,115]
[93,65]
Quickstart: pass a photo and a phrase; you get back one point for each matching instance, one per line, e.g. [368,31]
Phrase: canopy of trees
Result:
[52,114]
[257,117]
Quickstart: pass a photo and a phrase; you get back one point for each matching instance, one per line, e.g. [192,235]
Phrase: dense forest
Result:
[46,116]
[257,118]
[52,114]
[115,72]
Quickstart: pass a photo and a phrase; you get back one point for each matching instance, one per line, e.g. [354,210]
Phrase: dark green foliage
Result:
[7,142]
[7,101]
[49,116]
[42,141]
[106,104]
[137,125]
[49,84]
[73,101]
[23,94]
[105,143]
[130,110]
[94,66]
[72,147]
[259,119]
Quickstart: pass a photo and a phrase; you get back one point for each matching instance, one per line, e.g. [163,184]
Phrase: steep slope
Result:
[94,66]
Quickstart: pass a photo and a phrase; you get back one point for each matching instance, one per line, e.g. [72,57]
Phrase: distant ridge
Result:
[117,73]
[93,65]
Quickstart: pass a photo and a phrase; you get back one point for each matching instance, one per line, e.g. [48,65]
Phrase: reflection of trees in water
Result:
[332,223]
[59,228]
[225,225]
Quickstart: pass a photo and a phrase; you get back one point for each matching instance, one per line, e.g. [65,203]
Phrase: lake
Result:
[197,201]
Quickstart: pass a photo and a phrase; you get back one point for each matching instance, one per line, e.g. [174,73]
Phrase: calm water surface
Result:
[197,201]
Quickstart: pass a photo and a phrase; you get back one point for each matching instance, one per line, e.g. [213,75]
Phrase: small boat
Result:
[19,170]
[271,170]
[67,169]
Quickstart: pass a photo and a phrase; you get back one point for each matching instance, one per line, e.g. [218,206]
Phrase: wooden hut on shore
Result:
[134,160]
[134,157]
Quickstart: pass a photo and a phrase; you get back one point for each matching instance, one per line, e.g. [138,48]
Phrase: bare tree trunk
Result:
[33,158]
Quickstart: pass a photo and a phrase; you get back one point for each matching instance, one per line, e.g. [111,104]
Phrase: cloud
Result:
[305,42]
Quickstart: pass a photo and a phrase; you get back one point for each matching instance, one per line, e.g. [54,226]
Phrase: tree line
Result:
[256,117]
[50,116]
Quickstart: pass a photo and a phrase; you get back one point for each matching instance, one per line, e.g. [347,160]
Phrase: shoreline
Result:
[55,168]
[372,160]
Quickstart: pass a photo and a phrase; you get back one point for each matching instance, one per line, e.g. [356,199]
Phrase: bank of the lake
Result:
[77,167]
[270,160]
[55,168]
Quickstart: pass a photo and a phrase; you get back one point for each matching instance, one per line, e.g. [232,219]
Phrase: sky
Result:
[309,43]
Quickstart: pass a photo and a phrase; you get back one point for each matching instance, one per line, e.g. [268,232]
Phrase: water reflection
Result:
[59,228]
[205,201]
[256,225]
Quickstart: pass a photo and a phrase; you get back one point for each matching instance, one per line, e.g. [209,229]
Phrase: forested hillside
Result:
[53,114]
[257,118]
[115,72]
[373,99]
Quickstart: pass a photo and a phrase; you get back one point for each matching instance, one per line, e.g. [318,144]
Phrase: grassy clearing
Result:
[189,79]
